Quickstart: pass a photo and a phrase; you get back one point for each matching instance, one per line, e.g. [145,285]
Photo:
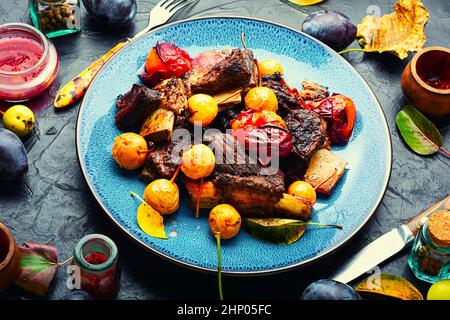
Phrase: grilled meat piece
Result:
[270,185]
[235,170]
[288,98]
[309,133]
[220,70]
[238,182]
[175,95]
[160,163]
[308,130]
[159,124]
[223,118]
[181,121]
[135,106]
[295,167]
[249,203]
[312,91]
[231,157]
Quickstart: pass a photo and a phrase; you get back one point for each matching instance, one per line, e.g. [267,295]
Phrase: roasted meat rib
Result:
[175,94]
[216,71]
[135,106]
[160,163]
[308,130]
[270,184]
[309,133]
[230,156]
[288,98]
[240,179]
[159,124]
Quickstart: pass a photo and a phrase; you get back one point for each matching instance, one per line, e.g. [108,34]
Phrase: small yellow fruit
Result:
[439,290]
[129,150]
[304,190]
[19,119]
[305,2]
[163,196]
[269,66]
[198,161]
[225,221]
[203,109]
[261,98]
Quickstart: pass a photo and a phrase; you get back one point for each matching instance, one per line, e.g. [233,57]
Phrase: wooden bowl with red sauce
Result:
[426,81]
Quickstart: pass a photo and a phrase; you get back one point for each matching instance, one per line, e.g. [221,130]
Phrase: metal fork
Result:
[76,88]
[162,12]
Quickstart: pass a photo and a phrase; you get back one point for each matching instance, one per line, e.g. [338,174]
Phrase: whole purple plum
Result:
[114,13]
[13,157]
[331,27]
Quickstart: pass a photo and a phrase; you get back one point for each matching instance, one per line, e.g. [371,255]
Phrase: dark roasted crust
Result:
[222,121]
[308,131]
[312,91]
[231,158]
[288,98]
[271,184]
[235,170]
[175,94]
[159,163]
[135,106]
[294,167]
[237,69]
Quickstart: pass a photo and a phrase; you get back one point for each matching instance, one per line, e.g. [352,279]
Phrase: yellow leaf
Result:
[390,286]
[150,221]
[305,2]
[398,32]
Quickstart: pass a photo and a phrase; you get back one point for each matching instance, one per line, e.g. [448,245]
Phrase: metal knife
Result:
[386,246]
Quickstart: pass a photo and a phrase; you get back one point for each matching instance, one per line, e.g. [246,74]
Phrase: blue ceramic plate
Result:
[352,203]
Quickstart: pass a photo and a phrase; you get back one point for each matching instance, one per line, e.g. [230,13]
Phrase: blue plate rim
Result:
[256,272]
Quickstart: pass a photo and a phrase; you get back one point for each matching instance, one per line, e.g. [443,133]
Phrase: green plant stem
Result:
[140,199]
[219,267]
[351,50]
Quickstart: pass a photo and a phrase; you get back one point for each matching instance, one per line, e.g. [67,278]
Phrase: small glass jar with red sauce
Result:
[28,62]
[97,257]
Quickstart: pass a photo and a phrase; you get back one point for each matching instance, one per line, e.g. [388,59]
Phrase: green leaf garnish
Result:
[418,132]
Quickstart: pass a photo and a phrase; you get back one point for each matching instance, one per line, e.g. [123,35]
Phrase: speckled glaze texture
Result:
[190,243]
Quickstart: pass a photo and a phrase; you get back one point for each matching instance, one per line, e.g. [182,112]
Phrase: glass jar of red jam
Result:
[97,257]
[28,62]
